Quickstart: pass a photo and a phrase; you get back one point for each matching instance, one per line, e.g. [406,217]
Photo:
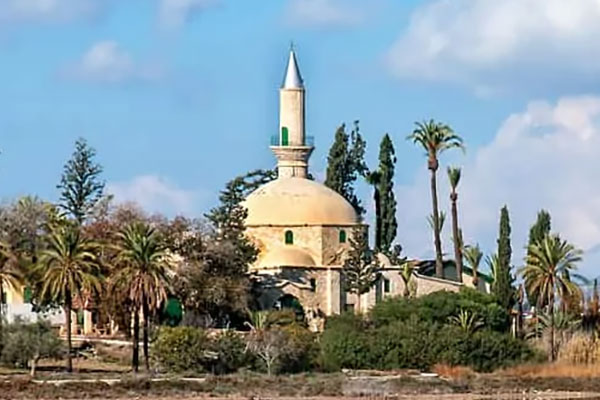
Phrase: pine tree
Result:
[389,224]
[80,185]
[502,286]
[361,269]
[229,217]
[345,163]
[537,232]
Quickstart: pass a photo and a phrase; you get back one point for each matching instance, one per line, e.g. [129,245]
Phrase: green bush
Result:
[438,307]
[26,343]
[344,343]
[181,349]
[302,349]
[416,334]
[230,351]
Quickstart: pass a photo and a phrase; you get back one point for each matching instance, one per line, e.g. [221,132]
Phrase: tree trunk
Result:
[1,316]
[378,225]
[68,322]
[551,311]
[135,359]
[33,365]
[456,235]
[146,316]
[439,266]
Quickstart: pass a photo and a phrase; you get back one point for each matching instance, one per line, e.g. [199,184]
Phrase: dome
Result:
[297,201]
[286,257]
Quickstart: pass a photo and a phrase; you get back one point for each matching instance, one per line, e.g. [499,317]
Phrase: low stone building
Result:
[302,228]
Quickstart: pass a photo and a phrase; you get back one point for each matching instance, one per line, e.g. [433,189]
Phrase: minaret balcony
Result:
[278,141]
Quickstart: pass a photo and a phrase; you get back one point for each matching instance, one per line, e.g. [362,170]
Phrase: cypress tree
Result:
[537,232]
[502,287]
[345,163]
[389,224]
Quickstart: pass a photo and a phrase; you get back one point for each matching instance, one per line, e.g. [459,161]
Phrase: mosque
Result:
[302,228]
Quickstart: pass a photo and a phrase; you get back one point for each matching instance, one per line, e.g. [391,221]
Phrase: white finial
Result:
[292,78]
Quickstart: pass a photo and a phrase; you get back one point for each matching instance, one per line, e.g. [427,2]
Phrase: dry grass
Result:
[453,372]
[556,370]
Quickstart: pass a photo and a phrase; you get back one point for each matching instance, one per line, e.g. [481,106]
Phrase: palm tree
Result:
[435,138]
[473,255]
[374,179]
[454,178]
[546,265]
[68,267]
[11,277]
[145,275]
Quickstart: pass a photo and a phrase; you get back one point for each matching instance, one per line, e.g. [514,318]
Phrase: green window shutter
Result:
[386,285]
[289,237]
[342,236]
[284,136]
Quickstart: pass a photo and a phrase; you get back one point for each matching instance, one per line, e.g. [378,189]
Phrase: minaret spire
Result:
[291,149]
[292,78]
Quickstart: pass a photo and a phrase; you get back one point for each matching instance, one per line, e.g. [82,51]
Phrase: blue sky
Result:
[178,96]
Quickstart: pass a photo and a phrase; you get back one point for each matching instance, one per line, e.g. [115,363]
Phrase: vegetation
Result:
[345,163]
[548,263]
[68,267]
[144,275]
[454,178]
[540,229]
[80,185]
[26,343]
[360,269]
[384,199]
[435,138]
[502,286]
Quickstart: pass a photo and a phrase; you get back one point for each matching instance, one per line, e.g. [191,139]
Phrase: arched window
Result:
[289,237]
[342,236]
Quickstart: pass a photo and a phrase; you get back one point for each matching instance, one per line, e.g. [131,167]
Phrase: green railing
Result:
[309,141]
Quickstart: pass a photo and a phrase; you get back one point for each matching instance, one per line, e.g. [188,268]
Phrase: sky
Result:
[179,96]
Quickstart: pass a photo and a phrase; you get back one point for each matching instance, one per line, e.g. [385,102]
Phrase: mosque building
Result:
[302,228]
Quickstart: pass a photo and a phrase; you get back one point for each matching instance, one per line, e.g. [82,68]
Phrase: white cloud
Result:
[544,157]
[174,13]
[155,194]
[325,13]
[489,43]
[107,62]
[13,11]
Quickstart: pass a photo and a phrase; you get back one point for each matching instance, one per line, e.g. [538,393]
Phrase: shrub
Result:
[438,307]
[26,343]
[181,349]
[230,352]
[302,349]
[415,343]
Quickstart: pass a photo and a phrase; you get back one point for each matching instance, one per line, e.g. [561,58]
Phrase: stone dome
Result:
[297,201]
[287,257]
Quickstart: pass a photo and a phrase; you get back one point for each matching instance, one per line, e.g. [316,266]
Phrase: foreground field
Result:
[541,381]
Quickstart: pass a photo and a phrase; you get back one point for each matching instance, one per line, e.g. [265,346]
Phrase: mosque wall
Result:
[307,238]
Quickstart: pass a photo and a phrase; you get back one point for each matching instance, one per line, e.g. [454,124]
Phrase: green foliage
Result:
[435,138]
[345,163]
[389,224]
[540,229]
[415,343]
[26,343]
[502,287]
[181,349]
[360,269]
[230,351]
[439,307]
[473,256]
[80,185]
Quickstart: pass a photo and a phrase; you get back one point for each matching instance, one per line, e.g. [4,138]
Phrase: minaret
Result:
[291,148]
